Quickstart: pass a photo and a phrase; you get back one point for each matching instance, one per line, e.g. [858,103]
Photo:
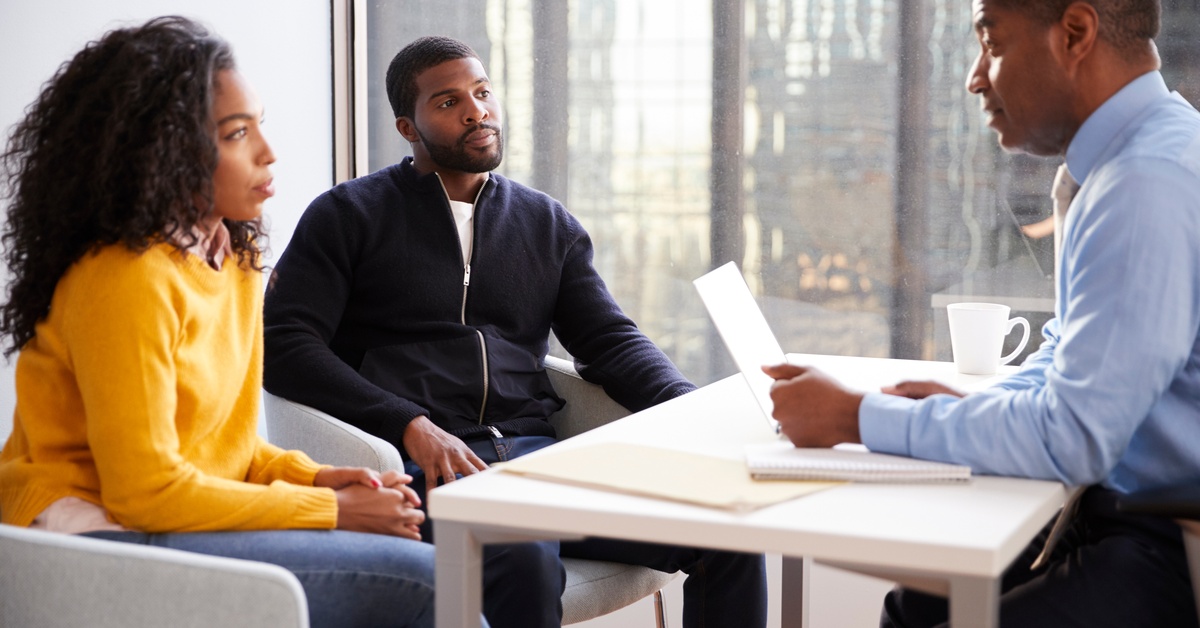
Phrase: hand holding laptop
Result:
[813,409]
[809,407]
[806,405]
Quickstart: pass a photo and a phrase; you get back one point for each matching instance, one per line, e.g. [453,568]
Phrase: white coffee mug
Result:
[977,332]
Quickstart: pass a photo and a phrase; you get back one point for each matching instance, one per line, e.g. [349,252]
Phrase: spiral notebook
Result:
[782,461]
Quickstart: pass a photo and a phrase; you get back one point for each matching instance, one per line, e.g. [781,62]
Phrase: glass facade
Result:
[827,146]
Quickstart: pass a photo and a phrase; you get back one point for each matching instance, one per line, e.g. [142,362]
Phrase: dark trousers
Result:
[1109,569]
[523,582]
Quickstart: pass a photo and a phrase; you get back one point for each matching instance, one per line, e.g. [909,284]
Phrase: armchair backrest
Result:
[329,440]
[588,406]
[326,439]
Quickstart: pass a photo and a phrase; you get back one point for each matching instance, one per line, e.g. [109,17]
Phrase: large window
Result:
[827,146]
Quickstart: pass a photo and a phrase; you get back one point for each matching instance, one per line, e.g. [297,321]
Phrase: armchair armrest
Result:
[1179,501]
[326,439]
[588,406]
[51,579]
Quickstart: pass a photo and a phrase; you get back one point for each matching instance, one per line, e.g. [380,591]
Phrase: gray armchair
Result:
[49,579]
[593,588]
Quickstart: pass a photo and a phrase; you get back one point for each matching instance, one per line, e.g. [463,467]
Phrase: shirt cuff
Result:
[883,422]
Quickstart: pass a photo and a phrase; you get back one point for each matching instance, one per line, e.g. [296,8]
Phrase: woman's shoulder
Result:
[133,284]
[119,267]
[115,281]
[118,260]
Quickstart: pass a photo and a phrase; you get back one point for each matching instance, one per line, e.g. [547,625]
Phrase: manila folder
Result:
[661,473]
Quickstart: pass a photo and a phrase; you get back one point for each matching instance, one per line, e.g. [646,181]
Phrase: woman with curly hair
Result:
[135,187]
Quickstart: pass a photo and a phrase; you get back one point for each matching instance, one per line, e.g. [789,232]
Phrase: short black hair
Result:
[1127,25]
[413,59]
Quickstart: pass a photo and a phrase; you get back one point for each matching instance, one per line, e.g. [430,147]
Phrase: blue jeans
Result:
[523,583]
[349,578]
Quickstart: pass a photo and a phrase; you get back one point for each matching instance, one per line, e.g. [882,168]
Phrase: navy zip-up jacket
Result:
[375,318]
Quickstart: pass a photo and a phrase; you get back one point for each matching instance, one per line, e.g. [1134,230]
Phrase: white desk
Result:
[963,535]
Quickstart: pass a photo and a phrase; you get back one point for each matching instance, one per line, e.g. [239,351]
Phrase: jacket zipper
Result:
[483,357]
[466,286]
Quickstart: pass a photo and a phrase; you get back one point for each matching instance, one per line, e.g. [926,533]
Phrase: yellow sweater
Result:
[140,393]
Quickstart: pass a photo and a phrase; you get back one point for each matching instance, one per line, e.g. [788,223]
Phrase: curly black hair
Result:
[119,148]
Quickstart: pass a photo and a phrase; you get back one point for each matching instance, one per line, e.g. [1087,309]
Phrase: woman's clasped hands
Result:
[369,501]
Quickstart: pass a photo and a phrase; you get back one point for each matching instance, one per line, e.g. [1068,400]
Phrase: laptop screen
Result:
[744,329]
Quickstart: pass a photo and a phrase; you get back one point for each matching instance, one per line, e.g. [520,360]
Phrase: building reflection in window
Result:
[779,133]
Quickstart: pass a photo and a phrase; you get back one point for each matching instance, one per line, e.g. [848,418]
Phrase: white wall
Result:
[282,46]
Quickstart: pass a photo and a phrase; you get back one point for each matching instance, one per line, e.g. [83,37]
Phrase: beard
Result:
[458,157]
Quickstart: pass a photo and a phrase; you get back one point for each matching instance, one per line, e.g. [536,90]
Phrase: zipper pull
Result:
[495,432]
[467,276]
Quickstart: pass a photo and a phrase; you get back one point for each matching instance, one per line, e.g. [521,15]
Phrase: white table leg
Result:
[974,602]
[459,579]
[797,574]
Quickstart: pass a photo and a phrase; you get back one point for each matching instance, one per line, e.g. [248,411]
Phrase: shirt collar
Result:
[212,248]
[1107,121]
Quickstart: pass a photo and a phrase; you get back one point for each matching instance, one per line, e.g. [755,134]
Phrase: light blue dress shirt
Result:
[1112,396]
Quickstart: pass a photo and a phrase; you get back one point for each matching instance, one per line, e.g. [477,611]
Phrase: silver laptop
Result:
[744,329]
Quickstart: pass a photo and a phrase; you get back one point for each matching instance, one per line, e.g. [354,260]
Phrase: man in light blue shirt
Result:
[1112,397]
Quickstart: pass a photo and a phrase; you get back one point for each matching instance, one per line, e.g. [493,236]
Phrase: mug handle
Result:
[1013,322]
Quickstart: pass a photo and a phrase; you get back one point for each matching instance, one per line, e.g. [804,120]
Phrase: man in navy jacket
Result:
[416,303]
